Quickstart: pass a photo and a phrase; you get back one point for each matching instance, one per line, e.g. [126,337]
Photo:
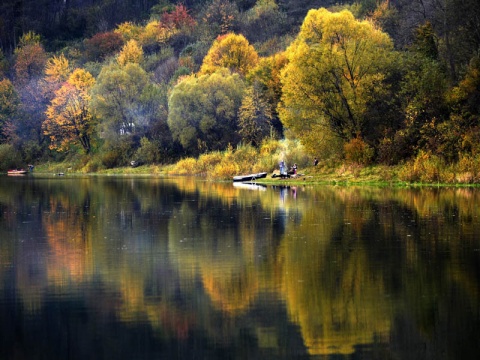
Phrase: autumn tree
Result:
[266,79]
[460,134]
[69,120]
[263,21]
[203,111]
[422,92]
[219,18]
[30,58]
[178,18]
[255,118]
[129,31]
[102,45]
[153,35]
[57,69]
[297,9]
[29,63]
[336,69]
[130,53]
[465,97]
[231,51]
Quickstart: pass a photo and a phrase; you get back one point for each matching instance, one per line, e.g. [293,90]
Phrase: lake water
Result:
[155,268]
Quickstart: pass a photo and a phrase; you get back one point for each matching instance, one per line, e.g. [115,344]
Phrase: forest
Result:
[98,84]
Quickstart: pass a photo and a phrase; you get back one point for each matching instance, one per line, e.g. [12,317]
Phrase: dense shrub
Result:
[95,164]
[207,162]
[187,166]
[102,45]
[358,151]
[118,153]
[245,156]
[388,151]
[426,168]
[225,170]
[468,169]
[9,157]
[148,152]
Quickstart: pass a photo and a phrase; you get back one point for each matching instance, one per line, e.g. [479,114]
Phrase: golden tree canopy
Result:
[336,68]
[230,51]
[57,69]
[69,120]
[130,53]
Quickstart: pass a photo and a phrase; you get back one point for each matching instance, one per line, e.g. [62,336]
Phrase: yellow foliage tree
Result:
[130,53]
[336,69]
[57,69]
[69,121]
[155,33]
[129,31]
[230,51]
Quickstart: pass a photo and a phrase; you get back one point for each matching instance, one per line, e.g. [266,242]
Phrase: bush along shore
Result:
[425,169]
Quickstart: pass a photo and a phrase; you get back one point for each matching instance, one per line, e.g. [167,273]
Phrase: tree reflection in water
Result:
[176,267]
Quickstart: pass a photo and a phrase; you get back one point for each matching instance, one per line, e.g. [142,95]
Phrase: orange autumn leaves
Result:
[69,120]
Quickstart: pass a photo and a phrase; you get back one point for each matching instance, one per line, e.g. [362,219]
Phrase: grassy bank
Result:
[425,169]
[343,175]
[321,175]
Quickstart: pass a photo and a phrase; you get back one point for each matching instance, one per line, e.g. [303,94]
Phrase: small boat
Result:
[17,172]
[250,177]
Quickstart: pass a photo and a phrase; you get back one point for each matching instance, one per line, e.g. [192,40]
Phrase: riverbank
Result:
[343,175]
[320,175]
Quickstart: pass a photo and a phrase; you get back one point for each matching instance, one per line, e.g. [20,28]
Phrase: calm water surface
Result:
[154,268]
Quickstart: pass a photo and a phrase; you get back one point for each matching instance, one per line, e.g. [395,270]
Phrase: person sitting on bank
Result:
[294,169]
[315,162]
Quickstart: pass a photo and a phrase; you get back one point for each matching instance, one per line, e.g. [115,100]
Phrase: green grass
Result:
[425,170]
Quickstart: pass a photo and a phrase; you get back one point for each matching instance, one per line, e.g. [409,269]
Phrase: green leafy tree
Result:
[263,21]
[423,92]
[336,70]
[9,102]
[454,22]
[425,41]
[266,79]
[255,119]
[123,100]
[461,132]
[203,111]
[465,97]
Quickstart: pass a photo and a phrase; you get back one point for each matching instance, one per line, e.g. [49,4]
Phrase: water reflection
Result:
[181,268]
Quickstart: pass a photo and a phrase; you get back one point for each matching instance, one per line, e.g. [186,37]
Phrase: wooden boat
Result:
[17,172]
[250,177]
